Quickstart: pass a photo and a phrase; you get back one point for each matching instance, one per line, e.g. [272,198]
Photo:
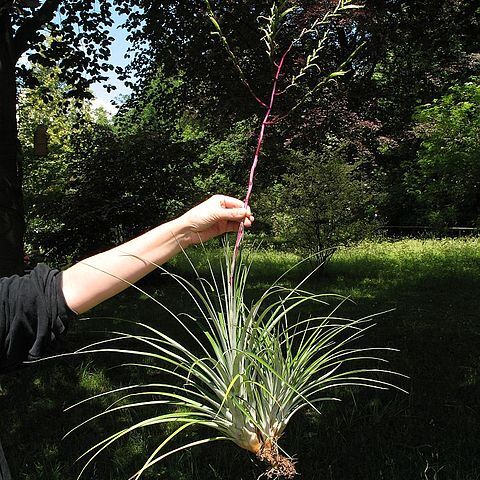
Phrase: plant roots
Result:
[279,465]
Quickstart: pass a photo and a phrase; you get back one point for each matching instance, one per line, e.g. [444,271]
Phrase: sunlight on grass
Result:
[408,257]
[268,264]
[93,380]
[387,259]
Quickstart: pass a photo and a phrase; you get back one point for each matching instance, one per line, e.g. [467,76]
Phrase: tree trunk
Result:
[11,202]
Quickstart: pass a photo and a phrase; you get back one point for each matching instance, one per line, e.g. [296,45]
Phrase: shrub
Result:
[323,203]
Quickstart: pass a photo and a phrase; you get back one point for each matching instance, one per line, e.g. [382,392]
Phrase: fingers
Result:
[228,202]
[248,221]
[232,211]
[233,226]
[237,215]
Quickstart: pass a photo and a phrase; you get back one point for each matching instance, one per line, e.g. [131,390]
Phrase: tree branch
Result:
[26,32]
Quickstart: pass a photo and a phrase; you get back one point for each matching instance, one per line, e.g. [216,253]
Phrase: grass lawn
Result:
[431,292]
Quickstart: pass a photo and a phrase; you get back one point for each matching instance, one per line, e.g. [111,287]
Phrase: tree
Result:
[414,50]
[105,180]
[80,47]
[167,39]
[446,178]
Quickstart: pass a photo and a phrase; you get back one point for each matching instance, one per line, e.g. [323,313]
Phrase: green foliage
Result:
[223,164]
[321,203]
[104,181]
[123,185]
[47,179]
[446,180]
[81,194]
[157,111]
[78,34]
[420,49]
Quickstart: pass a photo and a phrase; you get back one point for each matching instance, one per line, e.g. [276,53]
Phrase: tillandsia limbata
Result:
[252,367]
[245,369]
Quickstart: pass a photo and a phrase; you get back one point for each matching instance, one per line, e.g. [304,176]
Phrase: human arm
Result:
[102,276]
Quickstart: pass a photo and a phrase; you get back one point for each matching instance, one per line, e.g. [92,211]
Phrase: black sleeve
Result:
[33,314]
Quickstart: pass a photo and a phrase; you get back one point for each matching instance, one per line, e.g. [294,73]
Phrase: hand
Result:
[216,216]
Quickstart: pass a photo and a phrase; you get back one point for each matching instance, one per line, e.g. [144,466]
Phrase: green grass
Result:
[432,433]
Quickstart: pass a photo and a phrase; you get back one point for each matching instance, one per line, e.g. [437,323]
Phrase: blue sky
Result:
[119,48]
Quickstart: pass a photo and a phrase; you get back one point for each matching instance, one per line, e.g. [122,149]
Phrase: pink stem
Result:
[258,150]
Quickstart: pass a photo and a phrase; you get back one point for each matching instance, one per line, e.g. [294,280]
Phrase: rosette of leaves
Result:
[247,368]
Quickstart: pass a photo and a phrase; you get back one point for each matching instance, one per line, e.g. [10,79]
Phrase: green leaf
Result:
[216,24]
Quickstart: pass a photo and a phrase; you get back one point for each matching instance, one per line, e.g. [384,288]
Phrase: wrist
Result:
[181,231]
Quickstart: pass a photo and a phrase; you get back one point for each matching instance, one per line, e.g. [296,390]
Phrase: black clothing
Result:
[33,314]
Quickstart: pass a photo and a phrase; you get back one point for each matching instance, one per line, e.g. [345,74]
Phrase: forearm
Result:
[102,276]
[98,278]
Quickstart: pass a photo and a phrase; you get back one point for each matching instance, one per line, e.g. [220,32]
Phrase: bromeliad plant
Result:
[252,366]
[246,370]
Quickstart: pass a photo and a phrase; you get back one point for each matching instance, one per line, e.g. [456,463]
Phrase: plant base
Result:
[279,465]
